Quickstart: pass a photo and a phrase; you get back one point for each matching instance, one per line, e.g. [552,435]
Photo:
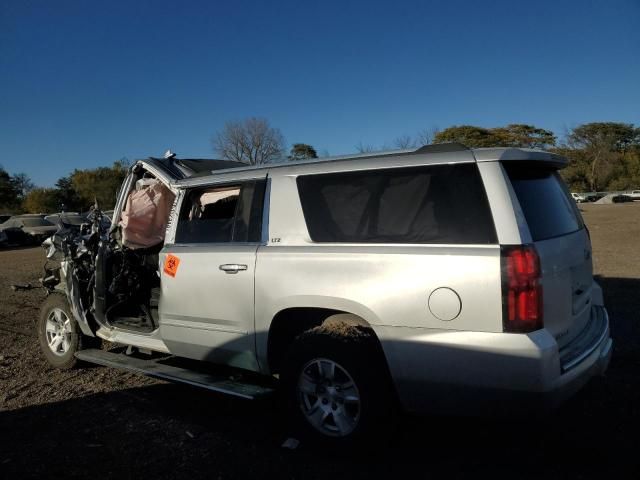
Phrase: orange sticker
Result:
[171,265]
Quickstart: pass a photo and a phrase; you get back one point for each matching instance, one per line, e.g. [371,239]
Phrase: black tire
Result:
[66,360]
[357,351]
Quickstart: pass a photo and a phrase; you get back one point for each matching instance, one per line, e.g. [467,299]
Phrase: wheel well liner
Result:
[289,323]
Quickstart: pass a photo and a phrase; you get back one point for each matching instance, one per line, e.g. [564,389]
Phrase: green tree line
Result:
[75,192]
[603,156]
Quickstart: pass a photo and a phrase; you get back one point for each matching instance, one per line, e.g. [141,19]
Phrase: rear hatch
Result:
[562,243]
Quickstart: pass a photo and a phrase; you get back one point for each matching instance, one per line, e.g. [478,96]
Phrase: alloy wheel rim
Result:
[58,332]
[329,398]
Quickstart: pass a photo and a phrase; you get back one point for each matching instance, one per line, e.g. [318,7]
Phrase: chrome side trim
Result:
[206,327]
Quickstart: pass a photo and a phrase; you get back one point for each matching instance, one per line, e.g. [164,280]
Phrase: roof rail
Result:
[442,147]
[209,167]
[433,148]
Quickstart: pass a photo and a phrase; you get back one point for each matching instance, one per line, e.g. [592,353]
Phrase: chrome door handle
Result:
[232,267]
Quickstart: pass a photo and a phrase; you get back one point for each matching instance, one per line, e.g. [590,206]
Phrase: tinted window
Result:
[36,222]
[439,204]
[545,201]
[222,214]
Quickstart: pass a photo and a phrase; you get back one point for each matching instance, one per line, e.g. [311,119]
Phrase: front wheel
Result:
[58,332]
[336,387]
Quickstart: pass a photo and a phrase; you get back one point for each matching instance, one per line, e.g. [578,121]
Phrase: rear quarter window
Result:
[443,204]
[545,201]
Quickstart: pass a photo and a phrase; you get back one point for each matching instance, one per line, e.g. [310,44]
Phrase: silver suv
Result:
[439,279]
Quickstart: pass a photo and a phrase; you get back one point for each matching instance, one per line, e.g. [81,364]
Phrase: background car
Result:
[594,197]
[578,197]
[72,219]
[27,229]
[635,194]
[622,198]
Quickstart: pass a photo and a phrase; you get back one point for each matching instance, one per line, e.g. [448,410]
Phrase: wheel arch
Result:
[289,323]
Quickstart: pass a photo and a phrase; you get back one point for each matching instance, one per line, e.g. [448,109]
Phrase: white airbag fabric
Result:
[144,220]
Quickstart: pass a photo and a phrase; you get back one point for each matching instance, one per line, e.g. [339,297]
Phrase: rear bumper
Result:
[488,373]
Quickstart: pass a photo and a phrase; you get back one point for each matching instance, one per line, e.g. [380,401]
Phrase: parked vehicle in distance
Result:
[593,197]
[70,219]
[622,198]
[634,194]
[28,229]
[443,279]
[579,198]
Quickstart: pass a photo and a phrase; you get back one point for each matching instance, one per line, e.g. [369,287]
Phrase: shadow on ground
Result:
[622,299]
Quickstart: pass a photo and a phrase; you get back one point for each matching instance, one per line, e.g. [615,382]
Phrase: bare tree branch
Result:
[427,136]
[361,148]
[404,142]
[251,141]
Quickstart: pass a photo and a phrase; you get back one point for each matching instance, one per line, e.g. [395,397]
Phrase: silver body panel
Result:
[205,312]
[209,314]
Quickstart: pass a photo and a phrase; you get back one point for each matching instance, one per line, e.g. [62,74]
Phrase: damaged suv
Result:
[439,279]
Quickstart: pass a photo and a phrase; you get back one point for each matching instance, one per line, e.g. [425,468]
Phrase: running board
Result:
[155,368]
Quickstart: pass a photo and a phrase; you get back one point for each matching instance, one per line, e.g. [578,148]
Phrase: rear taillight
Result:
[521,289]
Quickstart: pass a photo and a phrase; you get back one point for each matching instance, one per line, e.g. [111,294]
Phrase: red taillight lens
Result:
[521,289]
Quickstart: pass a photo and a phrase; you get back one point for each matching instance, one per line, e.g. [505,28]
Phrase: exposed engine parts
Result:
[107,283]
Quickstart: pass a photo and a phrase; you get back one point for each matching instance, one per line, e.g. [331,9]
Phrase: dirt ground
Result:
[98,423]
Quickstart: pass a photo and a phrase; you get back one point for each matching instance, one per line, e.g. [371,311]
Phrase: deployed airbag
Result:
[144,220]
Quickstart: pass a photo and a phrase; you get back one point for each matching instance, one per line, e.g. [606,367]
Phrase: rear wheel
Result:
[58,332]
[328,397]
[336,387]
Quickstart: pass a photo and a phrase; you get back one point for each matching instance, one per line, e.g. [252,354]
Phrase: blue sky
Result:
[84,83]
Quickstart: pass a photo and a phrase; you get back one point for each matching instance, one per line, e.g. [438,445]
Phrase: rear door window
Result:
[545,201]
[231,213]
[443,204]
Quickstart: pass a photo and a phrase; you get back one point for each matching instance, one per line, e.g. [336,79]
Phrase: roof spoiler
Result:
[523,155]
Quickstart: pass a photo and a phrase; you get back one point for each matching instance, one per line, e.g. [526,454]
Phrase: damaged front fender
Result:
[76,249]
[75,300]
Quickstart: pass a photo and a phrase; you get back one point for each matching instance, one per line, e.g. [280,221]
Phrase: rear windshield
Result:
[545,201]
[443,204]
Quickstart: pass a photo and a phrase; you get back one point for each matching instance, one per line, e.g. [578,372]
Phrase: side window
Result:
[443,204]
[230,213]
